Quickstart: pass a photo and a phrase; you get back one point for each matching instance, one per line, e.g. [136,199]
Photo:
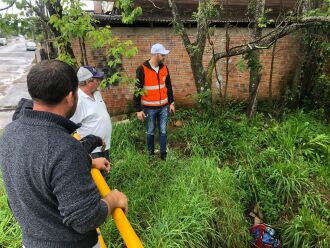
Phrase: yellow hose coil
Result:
[126,231]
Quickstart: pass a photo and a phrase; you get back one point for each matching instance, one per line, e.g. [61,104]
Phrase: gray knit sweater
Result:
[47,178]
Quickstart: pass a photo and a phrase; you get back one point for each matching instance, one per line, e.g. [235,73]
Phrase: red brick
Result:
[117,98]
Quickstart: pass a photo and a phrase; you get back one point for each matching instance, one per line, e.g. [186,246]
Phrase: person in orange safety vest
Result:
[157,101]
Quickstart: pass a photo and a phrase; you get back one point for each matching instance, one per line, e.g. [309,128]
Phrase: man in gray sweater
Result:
[47,172]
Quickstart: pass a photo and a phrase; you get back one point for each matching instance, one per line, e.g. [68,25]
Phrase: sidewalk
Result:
[8,102]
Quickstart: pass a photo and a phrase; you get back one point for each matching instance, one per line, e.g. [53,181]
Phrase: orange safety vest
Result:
[154,87]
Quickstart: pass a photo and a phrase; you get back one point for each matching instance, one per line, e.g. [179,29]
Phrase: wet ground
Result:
[15,62]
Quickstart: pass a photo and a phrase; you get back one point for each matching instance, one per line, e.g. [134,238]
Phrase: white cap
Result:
[159,48]
[87,72]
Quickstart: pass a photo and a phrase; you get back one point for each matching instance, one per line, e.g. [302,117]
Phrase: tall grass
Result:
[306,230]
[10,234]
[218,167]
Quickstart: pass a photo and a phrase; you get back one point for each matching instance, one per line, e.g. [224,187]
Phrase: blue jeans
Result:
[160,115]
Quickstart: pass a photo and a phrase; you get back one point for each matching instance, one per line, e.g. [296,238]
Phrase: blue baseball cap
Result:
[87,72]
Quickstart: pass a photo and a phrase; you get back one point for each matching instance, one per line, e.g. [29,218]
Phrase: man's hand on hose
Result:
[101,164]
[140,115]
[116,199]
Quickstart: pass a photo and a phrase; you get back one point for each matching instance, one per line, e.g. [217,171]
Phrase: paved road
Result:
[15,62]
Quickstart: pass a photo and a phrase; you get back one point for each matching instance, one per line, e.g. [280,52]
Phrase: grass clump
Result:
[219,166]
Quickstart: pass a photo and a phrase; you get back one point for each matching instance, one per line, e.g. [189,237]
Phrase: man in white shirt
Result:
[91,110]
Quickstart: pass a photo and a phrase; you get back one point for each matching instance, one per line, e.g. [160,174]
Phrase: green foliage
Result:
[129,12]
[317,147]
[13,24]
[137,90]
[253,62]
[64,56]
[76,23]
[324,9]
[242,65]
[7,24]
[316,72]
[204,98]
[218,166]
[290,180]
[321,91]
[297,137]
[180,203]
[177,27]
[263,22]
[116,49]
[10,233]
[306,230]
[193,49]
[207,11]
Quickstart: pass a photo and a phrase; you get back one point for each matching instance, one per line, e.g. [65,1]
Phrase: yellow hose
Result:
[126,231]
[100,238]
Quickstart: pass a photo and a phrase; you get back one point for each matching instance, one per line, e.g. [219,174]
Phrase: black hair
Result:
[51,80]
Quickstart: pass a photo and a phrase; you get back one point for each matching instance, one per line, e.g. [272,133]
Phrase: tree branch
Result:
[202,29]
[154,4]
[37,10]
[177,19]
[9,6]
[268,40]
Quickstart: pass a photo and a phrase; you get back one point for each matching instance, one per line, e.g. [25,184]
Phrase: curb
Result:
[7,108]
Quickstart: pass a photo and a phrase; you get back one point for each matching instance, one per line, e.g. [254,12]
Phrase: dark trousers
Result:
[105,154]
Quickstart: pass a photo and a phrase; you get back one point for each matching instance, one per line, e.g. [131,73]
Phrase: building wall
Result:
[119,98]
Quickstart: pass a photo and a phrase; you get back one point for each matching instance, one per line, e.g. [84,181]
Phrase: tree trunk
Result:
[82,58]
[294,94]
[296,87]
[270,91]
[198,73]
[203,80]
[258,7]
[84,50]
[255,77]
[227,62]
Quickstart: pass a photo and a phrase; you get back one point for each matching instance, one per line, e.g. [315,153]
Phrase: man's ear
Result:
[70,98]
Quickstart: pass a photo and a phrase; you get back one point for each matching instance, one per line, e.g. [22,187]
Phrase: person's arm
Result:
[170,92]
[79,201]
[90,142]
[139,85]
[169,87]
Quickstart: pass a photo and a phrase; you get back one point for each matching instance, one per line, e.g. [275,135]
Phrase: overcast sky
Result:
[13,10]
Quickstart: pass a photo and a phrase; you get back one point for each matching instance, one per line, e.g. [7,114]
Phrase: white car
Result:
[30,46]
[3,41]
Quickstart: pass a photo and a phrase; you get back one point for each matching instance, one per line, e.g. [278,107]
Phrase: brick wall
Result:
[118,98]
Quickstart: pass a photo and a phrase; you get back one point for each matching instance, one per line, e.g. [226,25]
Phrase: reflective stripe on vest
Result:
[156,87]
[155,103]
